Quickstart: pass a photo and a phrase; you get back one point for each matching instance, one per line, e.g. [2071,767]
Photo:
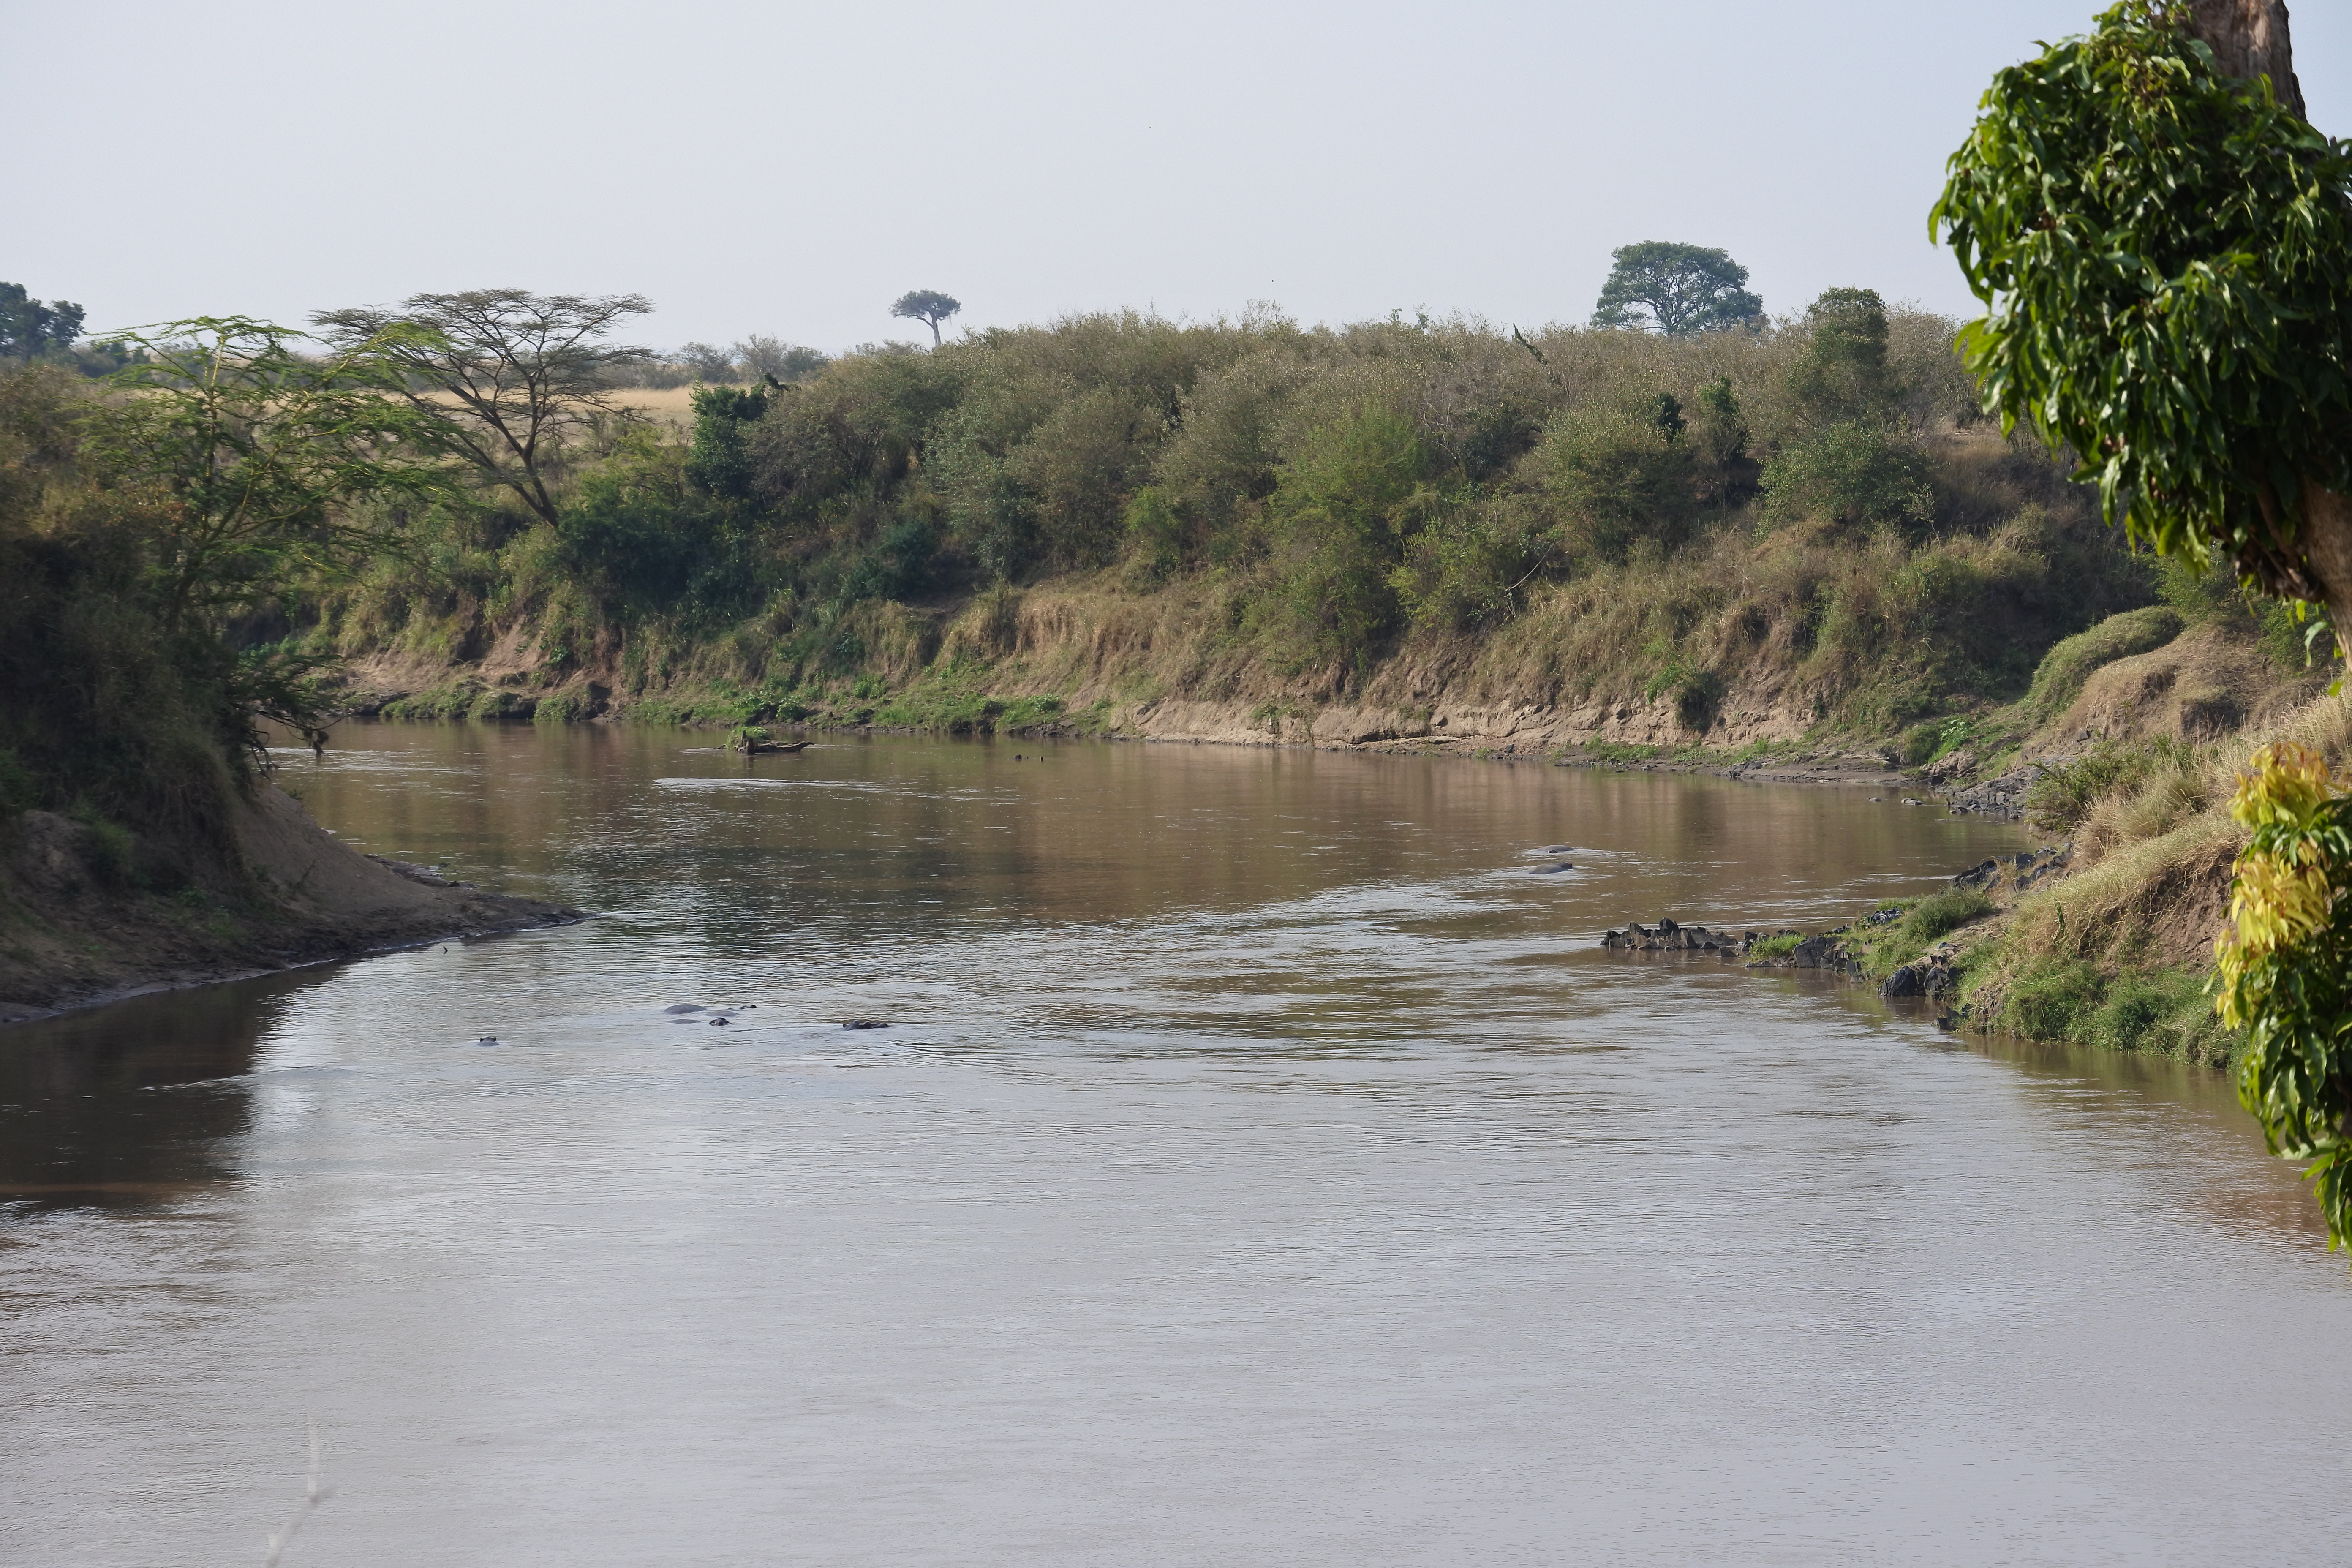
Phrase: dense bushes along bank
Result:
[1285,515]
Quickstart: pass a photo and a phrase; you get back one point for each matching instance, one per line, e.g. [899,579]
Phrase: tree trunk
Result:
[2326,542]
[2249,39]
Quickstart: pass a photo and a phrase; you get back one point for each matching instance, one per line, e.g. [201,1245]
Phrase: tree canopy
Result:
[1675,289]
[240,454]
[772,359]
[29,329]
[502,373]
[927,306]
[2160,250]
[2158,238]
[256,448]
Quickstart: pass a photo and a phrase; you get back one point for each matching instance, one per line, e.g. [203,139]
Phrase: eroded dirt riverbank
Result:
[82,920]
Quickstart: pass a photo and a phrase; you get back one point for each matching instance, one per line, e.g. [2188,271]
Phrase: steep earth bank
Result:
[2123,748]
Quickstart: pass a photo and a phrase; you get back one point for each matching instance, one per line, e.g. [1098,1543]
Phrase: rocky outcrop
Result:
[2005,875]
[2002,796]
[1931,978]
[1667,936]
[1781,950]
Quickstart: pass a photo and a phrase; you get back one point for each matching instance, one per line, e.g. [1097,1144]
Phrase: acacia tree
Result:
[240,454]
[503,373]
[2159,239]
[1676,290]
[927,306]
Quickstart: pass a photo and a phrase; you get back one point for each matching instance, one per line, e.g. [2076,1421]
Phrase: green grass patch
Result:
[1939,914]
[2160,1010]
[2072,661]
[1620,752]
[1883,945]
[2060,798]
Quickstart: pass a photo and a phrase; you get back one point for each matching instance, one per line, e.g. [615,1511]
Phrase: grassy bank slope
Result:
[2127,755]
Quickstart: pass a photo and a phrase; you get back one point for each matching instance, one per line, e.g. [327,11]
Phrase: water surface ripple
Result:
[1261,1167]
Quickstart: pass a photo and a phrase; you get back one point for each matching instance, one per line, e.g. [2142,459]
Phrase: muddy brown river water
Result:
[1261,1167]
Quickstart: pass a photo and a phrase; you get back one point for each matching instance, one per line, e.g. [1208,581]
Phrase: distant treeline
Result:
[1345,489]
[758,360]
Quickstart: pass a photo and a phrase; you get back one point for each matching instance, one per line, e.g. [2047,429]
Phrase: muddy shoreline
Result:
[78,930]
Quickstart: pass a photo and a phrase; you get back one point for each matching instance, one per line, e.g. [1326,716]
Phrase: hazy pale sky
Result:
[791,168]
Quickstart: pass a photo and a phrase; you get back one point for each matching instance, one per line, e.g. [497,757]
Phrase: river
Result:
[1260,1166]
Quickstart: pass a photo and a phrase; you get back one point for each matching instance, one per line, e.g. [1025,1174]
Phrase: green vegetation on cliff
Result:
[143,534]
[1262,512]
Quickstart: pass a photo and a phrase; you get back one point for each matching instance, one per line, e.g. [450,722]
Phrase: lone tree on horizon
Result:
[927,306]
[1676,290]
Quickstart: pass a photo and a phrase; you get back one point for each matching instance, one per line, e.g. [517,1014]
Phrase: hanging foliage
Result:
[2162,250]
[2285,966]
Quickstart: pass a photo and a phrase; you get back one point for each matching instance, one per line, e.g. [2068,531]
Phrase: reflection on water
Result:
[1261,1166]
[135,1101]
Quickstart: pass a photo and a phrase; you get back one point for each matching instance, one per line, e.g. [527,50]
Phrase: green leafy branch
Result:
[2160,250]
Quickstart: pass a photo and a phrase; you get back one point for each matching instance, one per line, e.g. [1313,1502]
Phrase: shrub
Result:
[721,458]
[2053,1000]
[633,529]
[2062,798]
[2165,1011]
[1338,512]
[1937,738]
[1155,537]
[1857,474]
[111,851]
[1842,376]
[1616,474]
[1461,568]
[1938,914]
[1697,697]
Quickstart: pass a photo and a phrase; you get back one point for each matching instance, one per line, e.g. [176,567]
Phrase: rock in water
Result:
[1551,870]
[864,1024]
[684,1007]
